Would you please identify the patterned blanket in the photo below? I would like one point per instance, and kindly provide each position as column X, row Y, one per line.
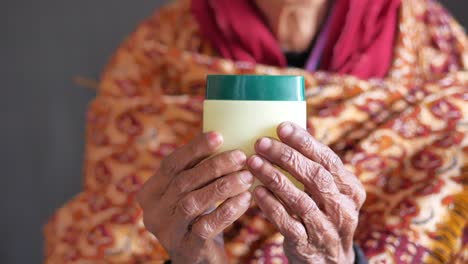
column 404, row 136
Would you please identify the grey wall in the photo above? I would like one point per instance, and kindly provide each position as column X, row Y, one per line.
column 43, row 45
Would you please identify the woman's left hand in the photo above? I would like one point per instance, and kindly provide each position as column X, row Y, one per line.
column 318, row 223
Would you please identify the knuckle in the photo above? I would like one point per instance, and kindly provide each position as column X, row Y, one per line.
column 333, row 160
column 329, row 159
column 287, row 155
column 222, row 187
column 277, row 214
column 316, row 171
column 295, row 199
column 345, row 215
column 294, row 231
column 227, row 213
column 326, row 158
column 283, row 221
column 202, row 230
column 300, row 200
column 309, row 210
column 276, row 181
column 328, row 235
column 302, row 165
column 306, row 142
column 325, row 183
column 189, row 206
column 309, row 170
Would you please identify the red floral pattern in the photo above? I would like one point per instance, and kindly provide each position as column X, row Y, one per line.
column 403, row 136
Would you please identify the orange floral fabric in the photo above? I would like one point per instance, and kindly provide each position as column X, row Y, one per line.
column 404, row 136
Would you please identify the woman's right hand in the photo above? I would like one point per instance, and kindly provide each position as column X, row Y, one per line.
column 175, row 201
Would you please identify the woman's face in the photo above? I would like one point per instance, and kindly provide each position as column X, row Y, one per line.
column 294, row 22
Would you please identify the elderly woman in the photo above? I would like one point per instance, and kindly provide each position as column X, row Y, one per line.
column 387, row 117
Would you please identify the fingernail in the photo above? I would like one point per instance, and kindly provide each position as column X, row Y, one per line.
column 255, row 162
column 245, row 198
column 260, row 192
column 286, row 130
column 264, row 144
column 246, row 177
column 239, row 157
column 214, row 139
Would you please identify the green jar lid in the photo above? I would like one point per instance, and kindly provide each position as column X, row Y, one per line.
column 255, row 87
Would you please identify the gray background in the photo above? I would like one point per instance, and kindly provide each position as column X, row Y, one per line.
column 43, row 46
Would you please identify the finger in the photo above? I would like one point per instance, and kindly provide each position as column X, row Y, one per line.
column 337, row 207
column 315, row 229
column 198, row 202
column 207, row 171
column 298, row 202
column 209, row 226
column 189, row 155
column 290, row 228
column 314, row 176
column 299, row 139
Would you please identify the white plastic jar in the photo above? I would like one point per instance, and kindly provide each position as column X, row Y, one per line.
column 244, row 108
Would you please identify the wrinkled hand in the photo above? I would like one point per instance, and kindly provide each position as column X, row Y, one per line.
column 318, row 224
column 175, row 201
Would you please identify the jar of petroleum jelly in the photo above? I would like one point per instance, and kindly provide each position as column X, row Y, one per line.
column 244, row 108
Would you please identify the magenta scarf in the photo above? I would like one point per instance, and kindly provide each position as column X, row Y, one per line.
column 359, row 37
column 236, row 30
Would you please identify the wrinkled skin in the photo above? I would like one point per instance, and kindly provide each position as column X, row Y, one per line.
column 318, row 223
column 176, row 200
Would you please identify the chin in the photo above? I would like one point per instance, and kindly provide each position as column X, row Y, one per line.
column 299, row 43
